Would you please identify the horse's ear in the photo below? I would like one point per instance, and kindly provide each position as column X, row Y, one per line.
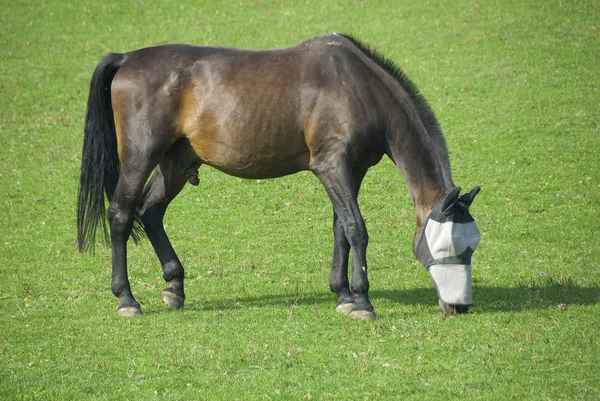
column 467, row 198
column 450, row 199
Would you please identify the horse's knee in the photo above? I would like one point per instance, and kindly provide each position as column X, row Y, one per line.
column 357, row 235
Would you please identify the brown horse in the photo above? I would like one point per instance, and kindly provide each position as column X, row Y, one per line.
column 329, row 105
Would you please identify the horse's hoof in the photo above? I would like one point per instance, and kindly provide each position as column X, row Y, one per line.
column 172, row 299
column 344, row 308
column 129, row 311
column 363, row 315
column 451, row 310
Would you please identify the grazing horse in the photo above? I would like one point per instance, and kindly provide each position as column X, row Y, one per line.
column 329, row 104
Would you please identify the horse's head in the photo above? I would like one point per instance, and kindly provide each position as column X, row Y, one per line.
column 448, row 240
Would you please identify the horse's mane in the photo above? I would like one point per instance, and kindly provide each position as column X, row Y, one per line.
column 423, row 109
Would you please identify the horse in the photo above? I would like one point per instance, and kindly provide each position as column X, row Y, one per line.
column 330, row 104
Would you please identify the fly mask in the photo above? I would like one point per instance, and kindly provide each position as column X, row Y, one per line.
column 449, row 239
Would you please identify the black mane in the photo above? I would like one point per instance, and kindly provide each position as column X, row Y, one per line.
column 423, row 109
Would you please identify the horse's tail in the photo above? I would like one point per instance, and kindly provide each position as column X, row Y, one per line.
column 99, row 159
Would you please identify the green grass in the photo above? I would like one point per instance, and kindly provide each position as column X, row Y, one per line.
column 515, row 86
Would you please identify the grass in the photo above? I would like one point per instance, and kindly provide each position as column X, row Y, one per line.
column 515, row 87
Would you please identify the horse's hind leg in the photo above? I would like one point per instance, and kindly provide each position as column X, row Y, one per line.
column 167, row 181
column 121, row 211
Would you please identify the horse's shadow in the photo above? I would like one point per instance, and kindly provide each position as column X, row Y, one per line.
column 486, row 299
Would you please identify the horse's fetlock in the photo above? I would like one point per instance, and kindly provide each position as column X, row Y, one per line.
column 172, row 270
column 337, row 288
column 360, row 286
column 119, row 288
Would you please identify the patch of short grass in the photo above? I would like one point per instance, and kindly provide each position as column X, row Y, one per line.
column 515, row 88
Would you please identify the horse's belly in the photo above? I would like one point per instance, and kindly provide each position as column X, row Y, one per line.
column 244, row 135
column 251, row 158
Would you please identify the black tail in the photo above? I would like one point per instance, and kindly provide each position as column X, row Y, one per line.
column 99, row 159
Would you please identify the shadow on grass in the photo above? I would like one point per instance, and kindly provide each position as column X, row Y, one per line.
column 486, row 299
column 503, row 299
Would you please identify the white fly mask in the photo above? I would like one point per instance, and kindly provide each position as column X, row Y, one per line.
column 450, row 237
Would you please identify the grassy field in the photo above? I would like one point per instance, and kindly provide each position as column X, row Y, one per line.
column 516, row 88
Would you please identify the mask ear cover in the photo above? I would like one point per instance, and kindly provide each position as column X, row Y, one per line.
column 448, row 201
column 467, row 198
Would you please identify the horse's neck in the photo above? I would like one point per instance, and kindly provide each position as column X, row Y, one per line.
column 421, row 157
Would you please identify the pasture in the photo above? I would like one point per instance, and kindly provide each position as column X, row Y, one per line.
column 515, row 87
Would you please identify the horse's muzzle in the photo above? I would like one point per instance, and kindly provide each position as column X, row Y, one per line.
column 454, row 287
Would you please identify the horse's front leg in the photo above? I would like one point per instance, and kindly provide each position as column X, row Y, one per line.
column 343, row 192
column 338, row 279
